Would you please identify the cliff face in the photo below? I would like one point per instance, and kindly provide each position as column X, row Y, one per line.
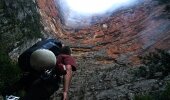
column 50, row 18
column 104, row 50
column 107, row 51
column 121, row 36
column 19, row 22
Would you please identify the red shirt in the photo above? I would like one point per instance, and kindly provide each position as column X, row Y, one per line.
column 67, row 60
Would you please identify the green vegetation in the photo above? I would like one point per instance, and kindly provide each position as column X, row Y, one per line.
column 9, row 72
column 165, row 95
column 155, row 64
column 167, row 11
column 143, row 97
column 163, row 1
column 167, row 7
column 19, row 21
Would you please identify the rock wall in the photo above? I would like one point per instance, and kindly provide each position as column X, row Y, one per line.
column 107, row 50
column 123, row 35
column 19, row 25
column 50, row 18
column 19, row 22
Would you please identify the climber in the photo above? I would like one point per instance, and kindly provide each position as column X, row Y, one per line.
column 70, row 63
column 44, row 88
column 43, row 65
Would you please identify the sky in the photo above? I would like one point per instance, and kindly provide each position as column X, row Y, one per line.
column 96, row 6
column 78, row 13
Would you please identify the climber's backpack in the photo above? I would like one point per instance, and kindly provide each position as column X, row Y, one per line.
column 50, row 44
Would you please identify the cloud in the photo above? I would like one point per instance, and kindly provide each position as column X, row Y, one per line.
column 96, row 6
column 79, row 13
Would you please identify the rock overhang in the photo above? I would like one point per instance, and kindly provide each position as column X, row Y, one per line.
column 124, row 34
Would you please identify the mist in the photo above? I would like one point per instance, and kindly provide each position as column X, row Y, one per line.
column 81, row 13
